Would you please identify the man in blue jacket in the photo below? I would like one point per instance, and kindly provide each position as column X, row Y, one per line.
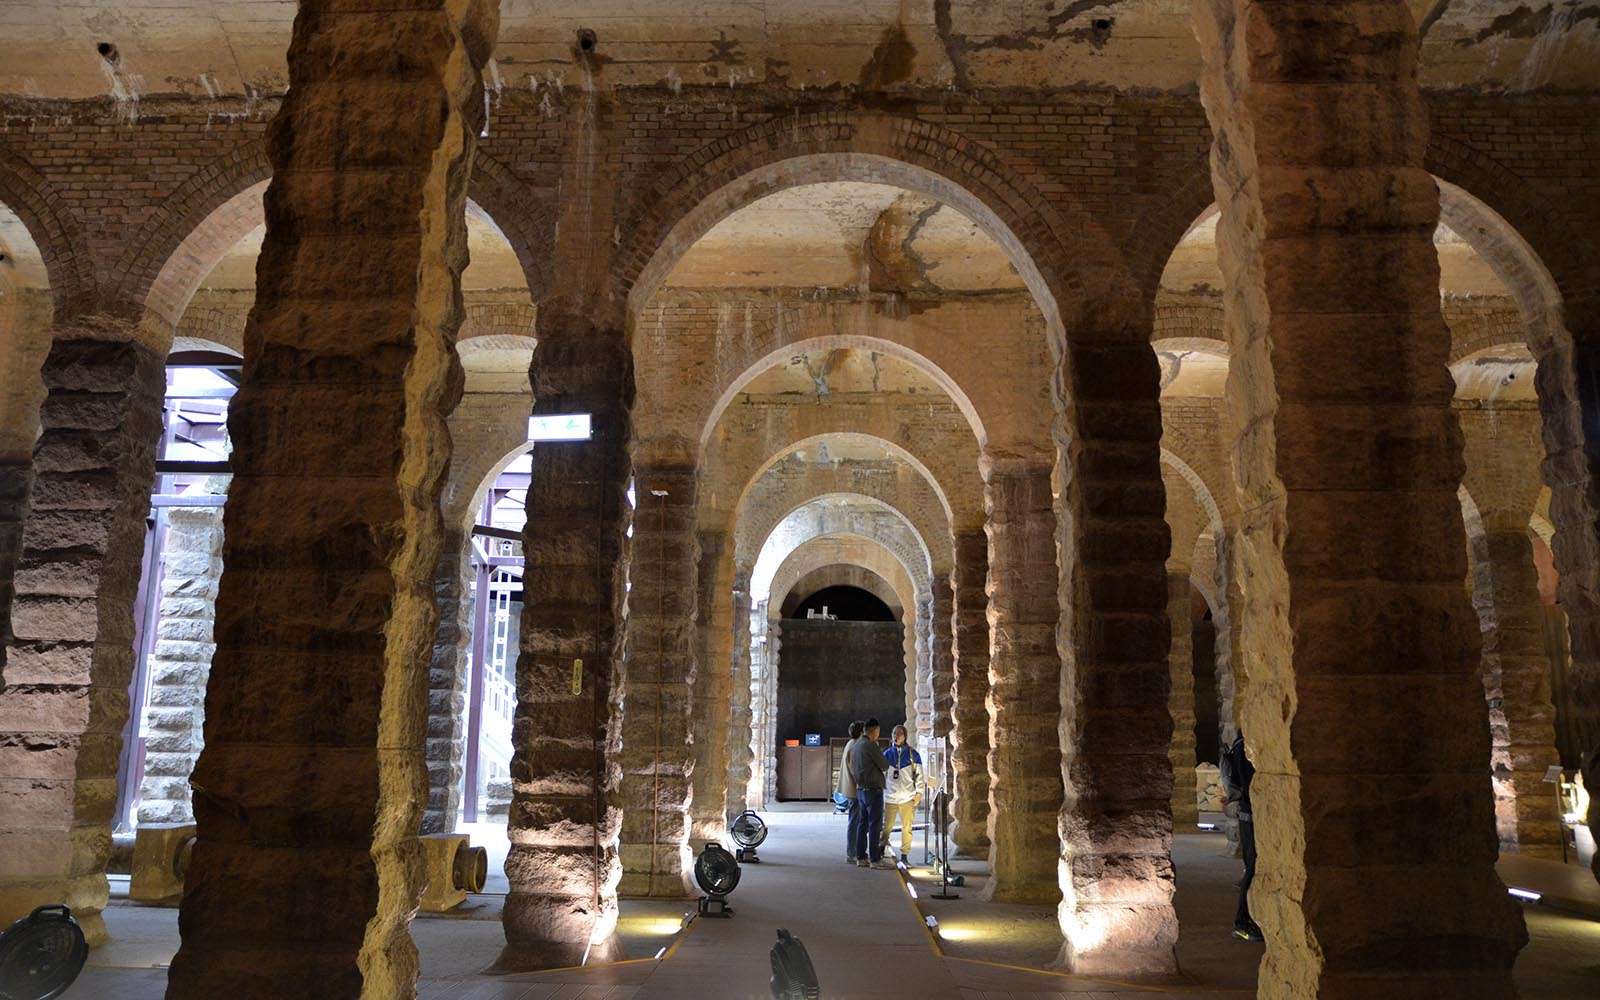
column 903, row 790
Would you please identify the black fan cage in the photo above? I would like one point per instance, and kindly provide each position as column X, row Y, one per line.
column 716, row 871
column 748, row 829
column 41, row 955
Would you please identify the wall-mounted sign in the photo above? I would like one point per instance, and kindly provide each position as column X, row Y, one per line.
column 559, row 427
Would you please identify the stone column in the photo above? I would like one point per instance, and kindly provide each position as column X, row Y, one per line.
column 739, row 733
column 768, row 734
column 1180, row 702
column 1025, row 789
column 713, row 695
column 942, row 661
column 659, row 745
column 919, row 720
column 1364, row 713
column 69, row 657
column 969, row 693
column 180, row 661
column 1116, row 825
column 565, row 817
column 448, row 685
column 309, row 792
column 1517, row 682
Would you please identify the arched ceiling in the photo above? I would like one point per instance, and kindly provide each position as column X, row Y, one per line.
column 205, row 48
column 1193, row 266
column 847, row 234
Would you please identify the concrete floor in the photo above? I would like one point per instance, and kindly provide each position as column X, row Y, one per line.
column 864, row 932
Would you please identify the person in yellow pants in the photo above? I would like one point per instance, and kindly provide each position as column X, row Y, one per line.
column 903, row 789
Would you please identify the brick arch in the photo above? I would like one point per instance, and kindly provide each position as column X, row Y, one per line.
column 55, row 230
column 1531, row 237
column 897, row 451
column 1061, row 250
column 900, row 539
column 818, row 552
column 842, row 575
column 754, row 362
column 219, row 204
column 775, row 497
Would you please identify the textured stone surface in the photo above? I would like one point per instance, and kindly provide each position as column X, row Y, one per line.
column 713, row 694
column 1363, row 709
column 1180, row 703
column 447, row 685
column 1024, row 685
column 309, row 792
column 659, row 745
column 180, row 661
column 1516, row 679
column 941, row 653
column 1115, row 825
column 740, row 746
column 566, row 817
column 969, row 692
column 69, row 654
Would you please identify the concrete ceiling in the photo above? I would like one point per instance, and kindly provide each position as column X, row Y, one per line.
column 1192, row 370
column 21, row 266
column 846, row 234
column 492, row 265
column 843, row 370
column 205, row 48
column 1193, row 265
column 1496, row 374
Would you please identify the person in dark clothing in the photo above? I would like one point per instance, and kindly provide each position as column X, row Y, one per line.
column 1237, row 773
column 868, row 766
column 847, row 789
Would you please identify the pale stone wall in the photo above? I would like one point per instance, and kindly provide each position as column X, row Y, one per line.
column 180, row 661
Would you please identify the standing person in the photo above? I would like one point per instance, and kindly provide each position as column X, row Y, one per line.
column 1237, row 773
column 868, row 766
column 903, row 790
column 847, row 788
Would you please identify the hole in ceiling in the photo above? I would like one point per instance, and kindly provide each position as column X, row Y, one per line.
column 587, row 39
column 107, row 51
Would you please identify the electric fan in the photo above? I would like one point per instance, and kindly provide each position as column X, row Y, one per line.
column 793, row 976
column 748, row 831
column 717, row 873
column 41, row 954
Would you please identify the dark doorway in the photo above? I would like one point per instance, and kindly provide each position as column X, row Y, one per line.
column 846, row 604
column 837, row 669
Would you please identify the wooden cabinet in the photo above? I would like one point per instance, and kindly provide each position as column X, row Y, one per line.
column 804, row 773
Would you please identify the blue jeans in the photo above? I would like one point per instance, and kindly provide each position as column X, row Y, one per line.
column 869, row 828
column 852, row 830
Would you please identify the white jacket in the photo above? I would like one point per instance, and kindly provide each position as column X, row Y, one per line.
column 903, row 784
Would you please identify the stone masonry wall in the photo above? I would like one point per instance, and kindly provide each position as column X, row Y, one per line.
column 180, row 661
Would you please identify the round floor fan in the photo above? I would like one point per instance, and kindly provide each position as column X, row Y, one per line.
column 747, row 831
column 717, row 873
column 41, row 954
